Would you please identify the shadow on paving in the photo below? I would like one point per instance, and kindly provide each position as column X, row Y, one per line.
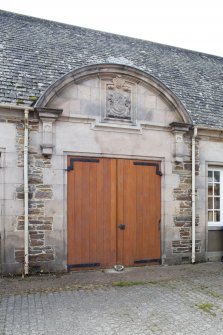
column 202, row 274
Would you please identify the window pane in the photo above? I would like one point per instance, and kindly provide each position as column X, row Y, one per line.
column 210, row 203
column 210, row 176
column 210, row 216
column 216, row 203
column 216, row 176
column 216, row 216
column 210, row 189
column 216, row 189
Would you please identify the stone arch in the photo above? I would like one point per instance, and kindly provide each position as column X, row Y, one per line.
column 89, row 71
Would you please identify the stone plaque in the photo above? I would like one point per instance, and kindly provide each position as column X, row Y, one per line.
column 118, row 99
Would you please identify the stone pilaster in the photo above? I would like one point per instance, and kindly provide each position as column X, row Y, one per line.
column 182, row 165
column 40, row 253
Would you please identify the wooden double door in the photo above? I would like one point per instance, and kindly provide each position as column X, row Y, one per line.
column 113, row 212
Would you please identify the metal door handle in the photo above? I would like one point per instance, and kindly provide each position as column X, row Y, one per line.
column 121, row 226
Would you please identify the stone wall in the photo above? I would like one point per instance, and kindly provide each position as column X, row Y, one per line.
column 11, row 176
column 183, row 197
column 39, row 193
column 47, row 216
column 12, row 223
column 52, row 137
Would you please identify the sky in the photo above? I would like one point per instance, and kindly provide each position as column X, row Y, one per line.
column 190, row 24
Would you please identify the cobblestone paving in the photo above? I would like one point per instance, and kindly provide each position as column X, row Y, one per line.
column 190, row 304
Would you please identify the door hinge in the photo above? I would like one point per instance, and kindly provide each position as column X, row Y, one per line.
column 80, row 159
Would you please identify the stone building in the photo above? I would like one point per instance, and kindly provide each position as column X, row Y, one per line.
column 110, row 150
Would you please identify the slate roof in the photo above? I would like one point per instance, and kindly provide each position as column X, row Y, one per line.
column 34, row 53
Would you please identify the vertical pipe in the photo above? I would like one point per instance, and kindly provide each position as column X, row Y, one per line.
column 26, row 193
column 193, row 195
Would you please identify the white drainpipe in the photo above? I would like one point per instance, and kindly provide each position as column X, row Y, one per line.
column 26, row 193
column 193, row 195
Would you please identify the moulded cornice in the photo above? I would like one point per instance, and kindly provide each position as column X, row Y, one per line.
column 48, row 113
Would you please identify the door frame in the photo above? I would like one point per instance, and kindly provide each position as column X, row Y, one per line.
column 97, row 155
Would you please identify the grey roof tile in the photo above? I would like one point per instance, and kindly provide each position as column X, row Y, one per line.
column 34, row 53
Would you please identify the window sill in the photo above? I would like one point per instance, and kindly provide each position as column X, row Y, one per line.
column 215, row 227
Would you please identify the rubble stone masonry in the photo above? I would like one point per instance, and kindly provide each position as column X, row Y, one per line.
column 39, row 193
column 183, row 195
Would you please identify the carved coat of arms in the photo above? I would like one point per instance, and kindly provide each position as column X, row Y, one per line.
column 118, row 99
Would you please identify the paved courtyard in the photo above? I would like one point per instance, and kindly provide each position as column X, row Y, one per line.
column 185, row 299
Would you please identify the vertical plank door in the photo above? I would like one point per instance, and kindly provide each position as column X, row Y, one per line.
column 91, row 212
column 138, row 226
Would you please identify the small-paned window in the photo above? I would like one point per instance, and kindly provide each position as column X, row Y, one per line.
column 215, row 197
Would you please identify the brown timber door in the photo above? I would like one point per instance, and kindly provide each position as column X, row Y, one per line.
column 139, row 212
column 91, row 212
column 113, row 212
